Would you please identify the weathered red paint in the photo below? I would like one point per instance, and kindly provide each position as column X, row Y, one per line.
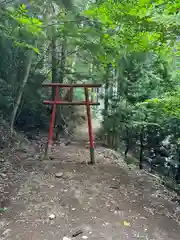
column 70, row 103
column 90, row 130
column 79, row 85
column 88, row 109
column 87, row 103
column 51, row 127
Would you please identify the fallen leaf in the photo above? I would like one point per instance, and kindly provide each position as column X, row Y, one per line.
column 126, row 224
column 3, row 210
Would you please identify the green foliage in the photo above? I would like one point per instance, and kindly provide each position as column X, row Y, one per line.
column 22, row 29
column 136, row 26
column 168, row 103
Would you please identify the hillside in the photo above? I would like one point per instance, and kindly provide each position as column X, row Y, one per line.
column 104, row 201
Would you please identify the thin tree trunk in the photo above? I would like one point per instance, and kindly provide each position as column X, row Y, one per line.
column 127, row 140
column 177, row 174
column 106, row 106
column 54, row 66
column 63, row 62
column 106, row 97
column 74, row 59
column 74, row 64
column 141, row 149
column 60, row 73
column 20, row 93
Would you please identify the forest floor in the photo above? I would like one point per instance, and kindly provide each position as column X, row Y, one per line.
column 54, row 199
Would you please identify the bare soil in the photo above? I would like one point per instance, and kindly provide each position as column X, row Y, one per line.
column 106, row 201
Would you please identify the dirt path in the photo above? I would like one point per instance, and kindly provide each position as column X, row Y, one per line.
column 106, row 201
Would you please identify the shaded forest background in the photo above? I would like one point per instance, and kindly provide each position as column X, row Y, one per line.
column 132, row 48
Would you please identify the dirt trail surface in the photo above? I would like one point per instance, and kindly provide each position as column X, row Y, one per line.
column 108, row 201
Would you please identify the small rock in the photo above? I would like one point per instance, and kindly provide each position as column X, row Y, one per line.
column 105, row 224
column 84, row 237
column 59, row 175
column 52, row 217
column 67, row 143
column 6, row 232
column 3, row 175
column 66, row 238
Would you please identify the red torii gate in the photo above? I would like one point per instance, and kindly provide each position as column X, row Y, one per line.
column 58, row 101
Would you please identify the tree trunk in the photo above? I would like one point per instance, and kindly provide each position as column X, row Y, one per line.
column 54, row 66
column 59, row 73
column 63, row 62
column 127, row 140
column 106, row 97
column 177, row 175
column 74, row 64
column 20, row 93
column 106, row 106
column 141, row 149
